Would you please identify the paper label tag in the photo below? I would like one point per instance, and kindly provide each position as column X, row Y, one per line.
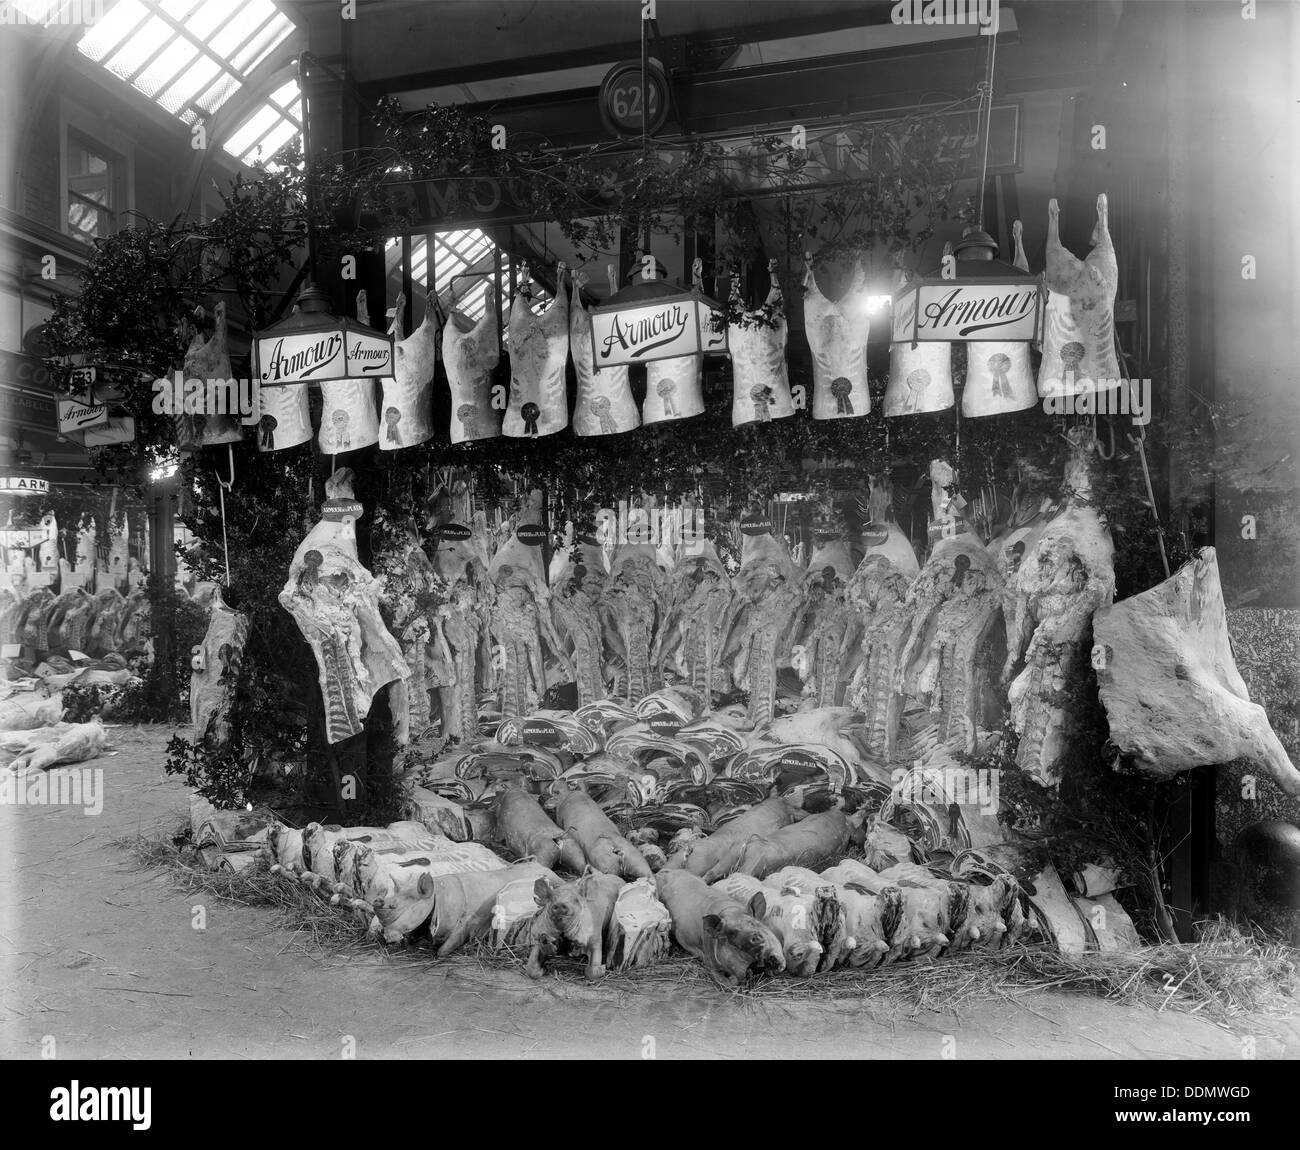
column 530, row 535
column 10, row 651
column 664, row 723
column 453, row 531
column 75, row 655
column 539, row 731
column 756, row 526
column 341, row 510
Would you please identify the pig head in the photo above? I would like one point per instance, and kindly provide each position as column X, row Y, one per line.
column 726, row 935
column 577, row 916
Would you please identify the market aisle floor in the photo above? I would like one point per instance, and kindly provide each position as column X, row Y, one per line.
column 101, row 956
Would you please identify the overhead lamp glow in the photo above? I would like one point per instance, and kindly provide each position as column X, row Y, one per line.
column 313, row 345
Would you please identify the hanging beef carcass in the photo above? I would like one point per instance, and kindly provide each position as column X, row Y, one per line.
column 880, row 594
column 954, row 606
column 831, row 627
column 728, row 936
column 691, row 639
column 521, row 617
column 410, row 601
column 539, row 353
column 335, row 602
column 632, row 606
column 215, row 671
column 575, row 595
column 837, row 332
column 465, row 620
column 1067, row 575
column 766, row 612
column 1170, row 685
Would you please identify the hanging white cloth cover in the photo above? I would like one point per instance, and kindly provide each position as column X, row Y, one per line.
column 920, row 378
column 469, row 353
column 348, row 417
column 285, row 416
column 837, row 332
column 605, row 405
column 208, row 360
column 999, row 376
column 673, row 389
column 539, row 353
column 406, row 406
column 1079, row 331
column 761, row 383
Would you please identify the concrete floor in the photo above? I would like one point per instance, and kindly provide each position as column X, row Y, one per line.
column 100, row 956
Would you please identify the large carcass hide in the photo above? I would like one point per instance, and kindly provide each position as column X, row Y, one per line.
column 716, row 857
column 691, row 637
column 766, row 613
column 335, row 602
column 1172, row 692
column 604, row 848
column 632, row 607
column 728, row 936
column 577, row 916
column 214, row 671
column 1068, row 574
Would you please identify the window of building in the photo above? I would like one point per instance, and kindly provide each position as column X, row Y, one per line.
column 93, row 185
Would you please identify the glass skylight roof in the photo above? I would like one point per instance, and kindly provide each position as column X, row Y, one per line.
column 456, row 253
column 191, row 56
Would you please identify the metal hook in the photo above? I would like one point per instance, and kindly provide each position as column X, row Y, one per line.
column 1096, row 443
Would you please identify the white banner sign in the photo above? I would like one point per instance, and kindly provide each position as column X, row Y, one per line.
column 24, row 485
column 956, row 311
column 656, row 329
column 79, row 414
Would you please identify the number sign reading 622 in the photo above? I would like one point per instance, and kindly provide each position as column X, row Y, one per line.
column 623, row 98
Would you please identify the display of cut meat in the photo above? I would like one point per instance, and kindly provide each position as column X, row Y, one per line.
column 632, row 606
column 999, row 376
column 1170, row 685
column 406, row 403
column 604, row 405
column 215, row 672
column 208, row 361
column 469, row 353
column 465, row 624
column 284, row 418
column 1079, row 330
column 690, row 638
column 119, row 552
column 673, row 389
column 335, row 602
column 349, row 420
column 760, row 380
column 539, row 353
column 837, row 332
column 576, row 591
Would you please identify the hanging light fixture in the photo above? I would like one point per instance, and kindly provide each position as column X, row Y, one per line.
column 975, row 297
column 313, row 345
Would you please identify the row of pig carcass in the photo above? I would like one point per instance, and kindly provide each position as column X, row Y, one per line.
column 745, row 899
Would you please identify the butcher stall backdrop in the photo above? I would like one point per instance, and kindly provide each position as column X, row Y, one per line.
column 803, row 654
